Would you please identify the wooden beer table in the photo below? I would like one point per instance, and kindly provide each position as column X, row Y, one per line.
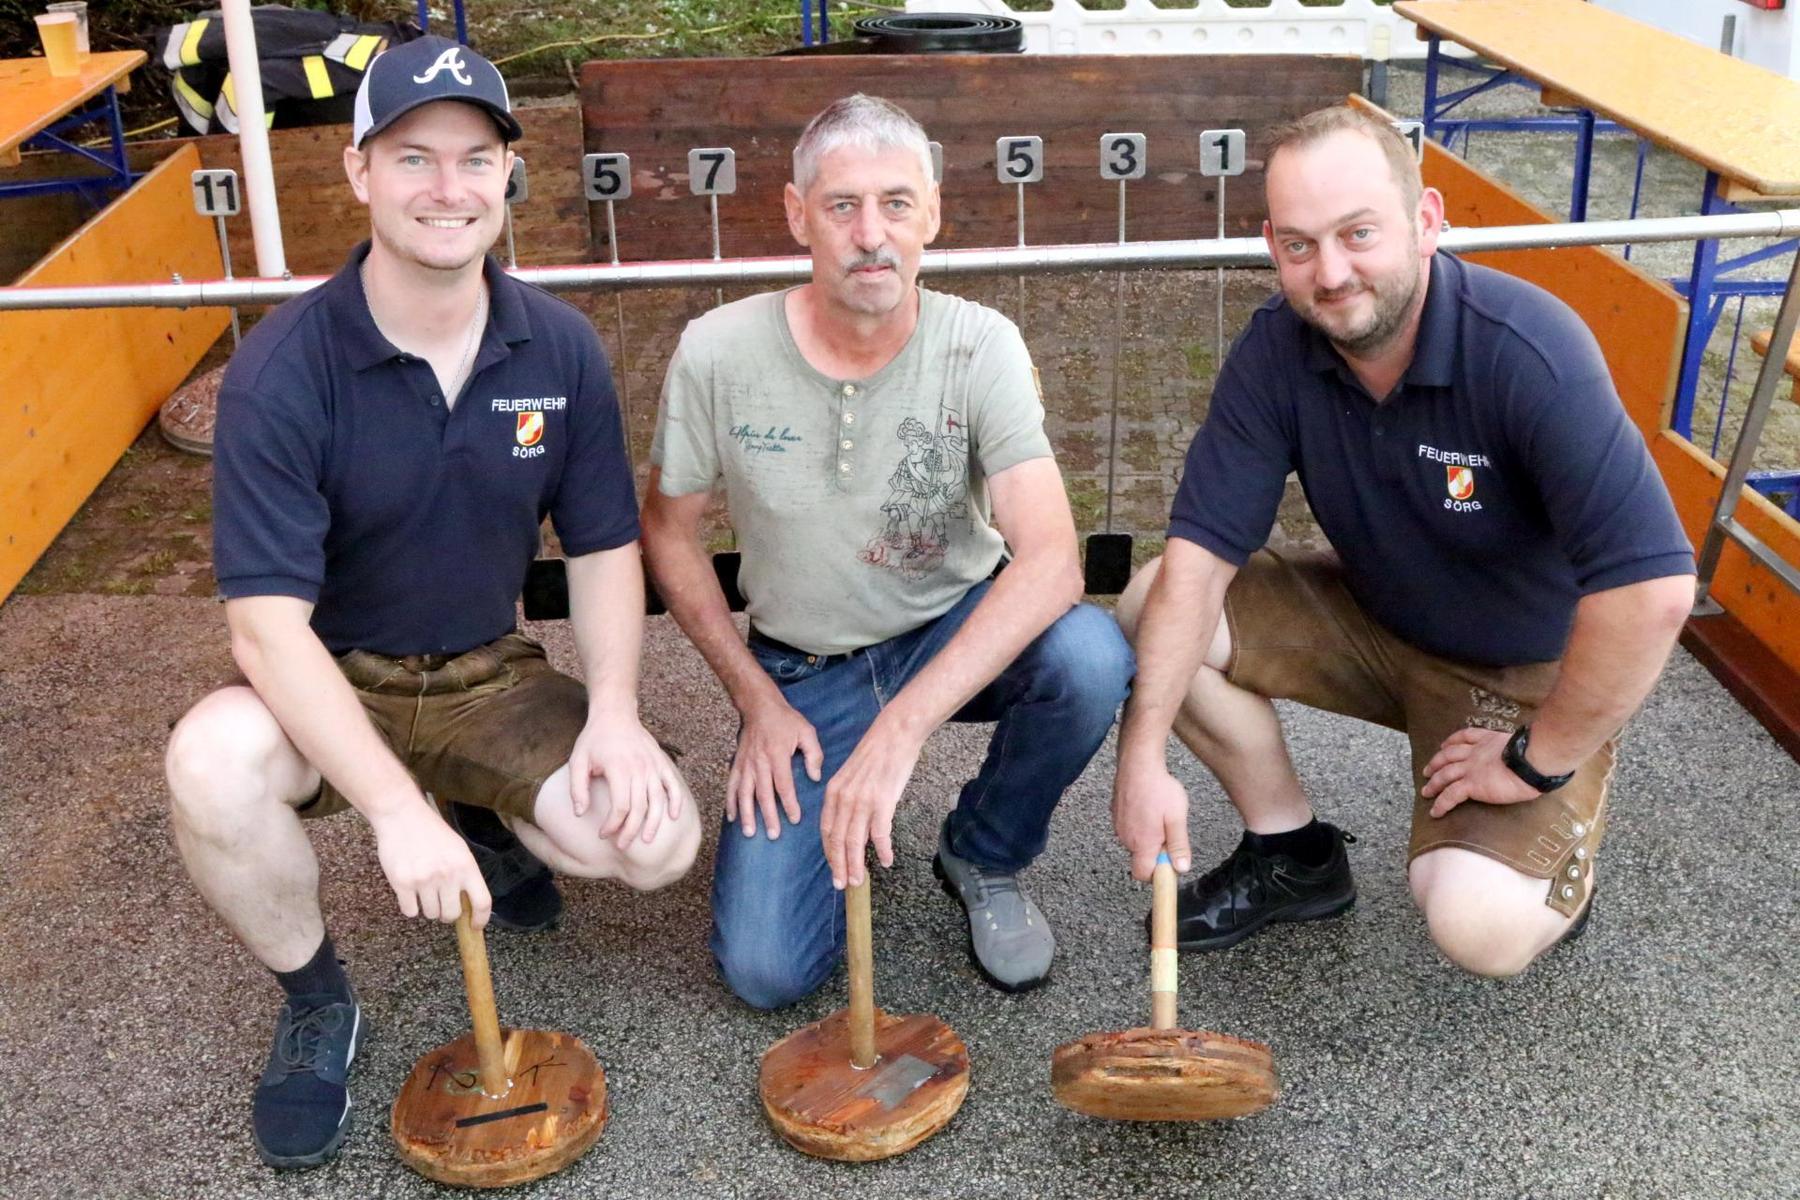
column 38, row 108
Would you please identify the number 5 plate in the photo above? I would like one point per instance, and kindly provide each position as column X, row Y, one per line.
column 607, row 176
column 1019, row 159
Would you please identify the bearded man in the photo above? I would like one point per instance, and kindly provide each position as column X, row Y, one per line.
column 1507, row 576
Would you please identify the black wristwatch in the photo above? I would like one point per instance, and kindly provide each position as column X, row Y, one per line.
column 1514, row 758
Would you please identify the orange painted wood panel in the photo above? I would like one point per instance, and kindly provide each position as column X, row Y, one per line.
column 1747, row 590
column 84, row 382
column 32, row 99
column 1761, row 339
column 1741, row 120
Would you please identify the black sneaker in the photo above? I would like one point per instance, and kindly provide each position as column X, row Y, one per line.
column 301, row 1110
column 525, row 895
column 1579, row 925
column 1251, row 889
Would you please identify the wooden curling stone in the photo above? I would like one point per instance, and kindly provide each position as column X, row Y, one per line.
column 1163, row 1073
column 861, row 1084
column 484, row 1111
column 821, row 1103
column 447, row 1128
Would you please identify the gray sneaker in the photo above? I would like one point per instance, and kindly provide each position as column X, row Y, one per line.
column 1009, row 939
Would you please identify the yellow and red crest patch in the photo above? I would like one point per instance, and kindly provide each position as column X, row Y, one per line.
column 1461, row 482
column 531, row 428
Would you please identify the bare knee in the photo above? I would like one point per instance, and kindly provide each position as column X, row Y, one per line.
column 1489, row 920
column 1131, row 600
column 641, row 865
column 227, row 758
column 647, row 866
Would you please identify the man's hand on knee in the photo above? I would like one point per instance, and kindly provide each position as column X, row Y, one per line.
column 429, row 866
column 641, row 783
column 1468, row 766
column 762, row 772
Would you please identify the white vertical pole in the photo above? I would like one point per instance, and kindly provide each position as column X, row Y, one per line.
column 253, row 139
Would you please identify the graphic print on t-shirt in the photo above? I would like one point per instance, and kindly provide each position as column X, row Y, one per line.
column 928, row 488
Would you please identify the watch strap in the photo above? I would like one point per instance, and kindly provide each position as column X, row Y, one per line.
column 1514, row 758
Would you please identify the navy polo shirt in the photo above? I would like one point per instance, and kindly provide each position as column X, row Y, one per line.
column 340, row 476
column 1497, row 485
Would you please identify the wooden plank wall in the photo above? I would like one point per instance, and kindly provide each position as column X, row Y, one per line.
column 1639, row 321
column 656, row 110
column 320, row 219
column 84, row 382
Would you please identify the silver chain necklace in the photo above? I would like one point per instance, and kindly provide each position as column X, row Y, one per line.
column 464, row 362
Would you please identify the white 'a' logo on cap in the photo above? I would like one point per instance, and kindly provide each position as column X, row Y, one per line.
column 451, row 61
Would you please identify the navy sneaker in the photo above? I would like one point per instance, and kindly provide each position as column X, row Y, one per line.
column 301, row 1110
column 1251, row 889
column 525, row 895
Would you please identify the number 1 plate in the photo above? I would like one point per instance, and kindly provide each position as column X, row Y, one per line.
column 1222, row 152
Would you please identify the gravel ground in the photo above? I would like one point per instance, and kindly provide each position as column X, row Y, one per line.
column 1653, row 1058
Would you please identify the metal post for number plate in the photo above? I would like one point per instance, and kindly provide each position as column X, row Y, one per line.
column 712, row 172
column 1221, row 156
column 607, row 178
column 216, row 195
column 1123, row 156
column 517, row 191
column 1019, row 160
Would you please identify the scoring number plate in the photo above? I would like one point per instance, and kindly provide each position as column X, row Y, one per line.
column 216, row 193
column 1123, row 155
column 712, row 171
column 517, row 190
column 1222, row 152
column 606, row 176
column 1414, row 132
column 1019, row 159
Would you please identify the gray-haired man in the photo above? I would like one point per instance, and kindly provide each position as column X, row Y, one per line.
column 881, row 447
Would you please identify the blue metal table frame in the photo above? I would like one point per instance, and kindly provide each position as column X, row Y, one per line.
column 1711, row 284
column 462, row 20
column 94, row 188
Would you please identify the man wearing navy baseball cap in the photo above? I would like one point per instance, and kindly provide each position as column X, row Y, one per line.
column 387, row 446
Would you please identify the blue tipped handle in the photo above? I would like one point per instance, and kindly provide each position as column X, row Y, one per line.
column 1162, row 859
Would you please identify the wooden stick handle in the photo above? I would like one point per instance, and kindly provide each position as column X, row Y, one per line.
column 482, row 1015
column 1162, row 945
column 860, row 949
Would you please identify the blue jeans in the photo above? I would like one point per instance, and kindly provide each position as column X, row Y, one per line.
column 778, row 924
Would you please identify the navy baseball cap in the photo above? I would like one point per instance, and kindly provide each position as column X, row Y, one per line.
column 426, row 69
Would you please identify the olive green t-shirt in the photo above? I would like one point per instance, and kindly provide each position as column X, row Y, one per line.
column 860, row 505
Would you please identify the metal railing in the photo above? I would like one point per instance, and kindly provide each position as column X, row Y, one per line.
column 1036, row 260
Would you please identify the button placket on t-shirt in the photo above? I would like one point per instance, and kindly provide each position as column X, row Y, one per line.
column 845, row 452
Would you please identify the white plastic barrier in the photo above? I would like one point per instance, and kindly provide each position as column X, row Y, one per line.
column 1360, row 27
